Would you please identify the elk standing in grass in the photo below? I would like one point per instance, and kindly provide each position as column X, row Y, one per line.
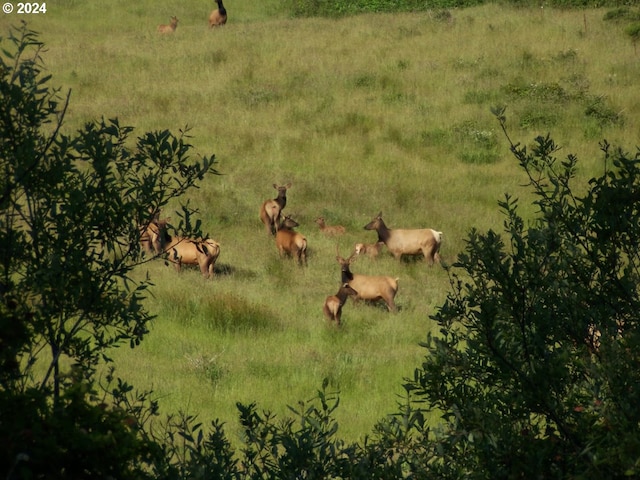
column 181, row 250
column 290, row 242
column 169, row 28
column 271, row 210
column 400, row 242
column 333, row 304
column 330, row 230
column 218, row 17
column 369, row 287
column 370, row 249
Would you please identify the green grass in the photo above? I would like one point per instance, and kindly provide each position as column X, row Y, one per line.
column 370, row 113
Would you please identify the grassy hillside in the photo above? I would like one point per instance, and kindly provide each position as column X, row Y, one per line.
column 371, row 113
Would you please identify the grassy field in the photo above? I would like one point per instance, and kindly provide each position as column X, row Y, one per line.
column 371, row 113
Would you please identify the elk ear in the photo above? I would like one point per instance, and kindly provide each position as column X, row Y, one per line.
column 380, row 215
column 288, row 185
column 275, row 186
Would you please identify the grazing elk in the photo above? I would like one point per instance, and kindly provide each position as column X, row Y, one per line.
column 333, row 304
column 369, row 287
column 408, row 242
column 370, row 249
column 184, row 251
column 169, row 28
column 271, row 210
column 290, row 242
column 218, row 17
column 329, row 229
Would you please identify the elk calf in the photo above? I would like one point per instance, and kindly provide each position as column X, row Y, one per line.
column 369, row 287
column 329, row 230
column 169, row 28
column 370, row 249
column 400, row 242
column 333, row 304
column 290, row 242
column 271, row 210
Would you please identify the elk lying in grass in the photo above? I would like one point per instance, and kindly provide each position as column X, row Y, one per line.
column 271, row 210
column 400, row 242
column 218, row 17
column 185, row 251
column 333, row 304
column 290, row 242
column 370, row 249
column 329, row 229
column 169, row 28
column 369, row 287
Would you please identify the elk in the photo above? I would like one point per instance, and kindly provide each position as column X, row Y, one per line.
column 169, row 28
column 181, row 250
column 408, row 242
column 333, row 304
column 290, row 242
column 148, row 230
column 369, row 287
column 270, row 211
column 218, row 17
column 370, row 249
column 329, row 229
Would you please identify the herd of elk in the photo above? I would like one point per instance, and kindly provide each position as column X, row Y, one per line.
column 155, row 239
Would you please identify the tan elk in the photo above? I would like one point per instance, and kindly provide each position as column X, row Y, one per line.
column 218, row 17
column 290, row 242
column 369, row 287
column 333, row 304
column 400, row 242
column 370, row 249
column 271, row 210
column 329, row 229
column 185, row 251
column 169, row 28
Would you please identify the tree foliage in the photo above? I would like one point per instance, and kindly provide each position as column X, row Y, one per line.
column 536, row 365
column 71, row 209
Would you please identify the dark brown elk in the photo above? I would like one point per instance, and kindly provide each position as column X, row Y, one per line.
column 333, row 304
column 370, row 249
column 329, row 229
column 369, row 287
column 290, row 242
column 425, row 241
column 218, row 17
column 169, row 28
column 185, row 251
column 271, row 210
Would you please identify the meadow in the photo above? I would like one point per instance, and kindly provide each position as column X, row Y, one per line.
column 362, row 114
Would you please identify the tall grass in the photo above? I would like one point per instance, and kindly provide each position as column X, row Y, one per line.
column 370, row 113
